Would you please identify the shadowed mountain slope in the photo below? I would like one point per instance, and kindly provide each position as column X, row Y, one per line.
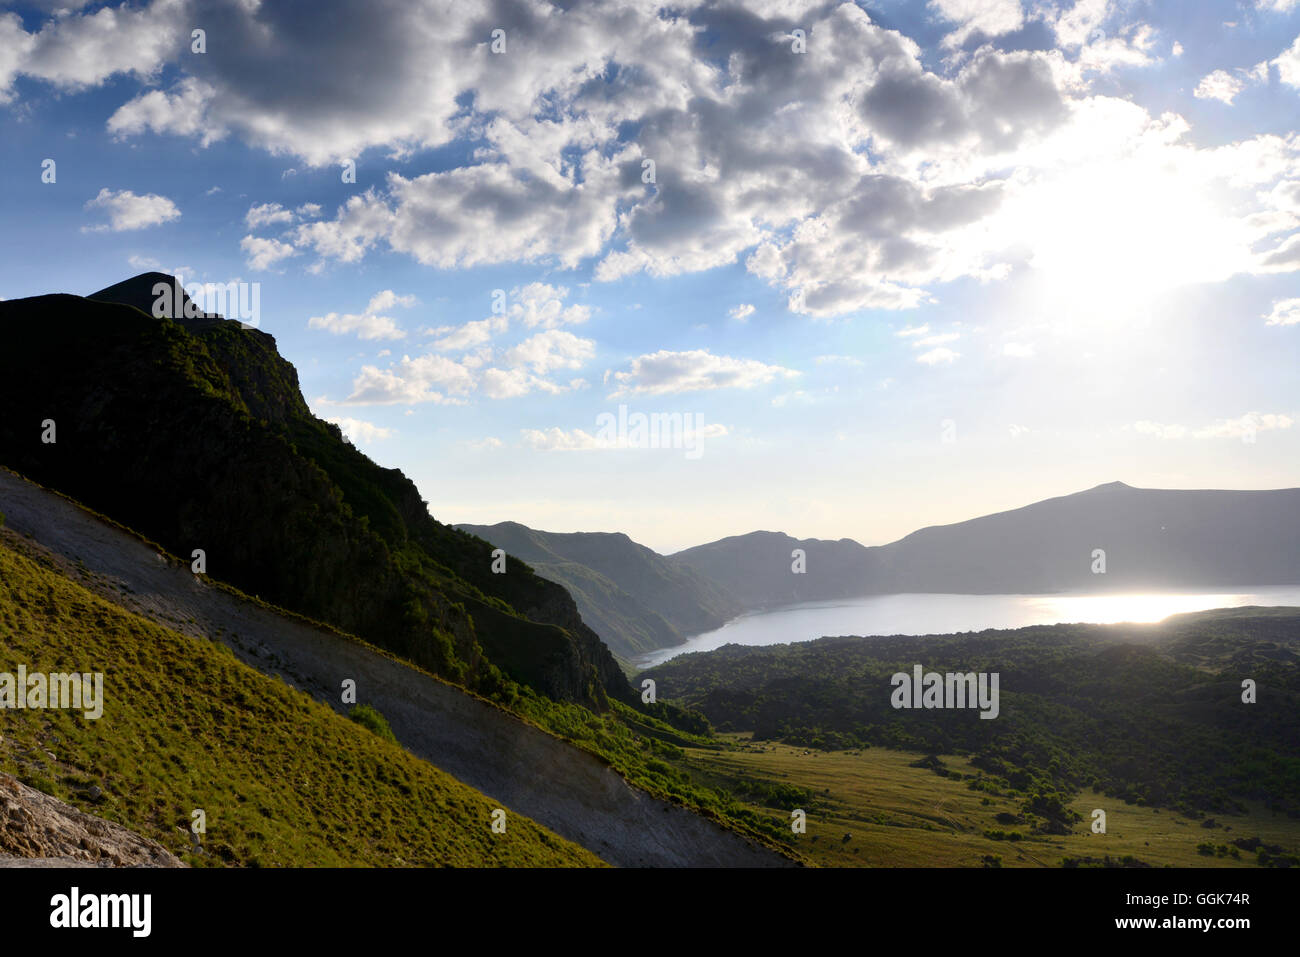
column 196, row 434
column 633, row 597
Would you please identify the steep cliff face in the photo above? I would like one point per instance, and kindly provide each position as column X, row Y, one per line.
column 195, row 433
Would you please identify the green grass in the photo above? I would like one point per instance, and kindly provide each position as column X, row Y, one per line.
column 897, row 812
column 282, row 779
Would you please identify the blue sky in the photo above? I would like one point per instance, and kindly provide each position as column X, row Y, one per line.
column 915, row 263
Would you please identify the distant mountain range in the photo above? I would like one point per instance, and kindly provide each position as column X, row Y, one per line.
column 636, row 599
column 1110, row 538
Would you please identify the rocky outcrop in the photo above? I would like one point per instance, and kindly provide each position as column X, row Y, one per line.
column 37, row 830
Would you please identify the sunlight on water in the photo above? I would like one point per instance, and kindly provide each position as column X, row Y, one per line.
column 924, row 614
column 1108, row 609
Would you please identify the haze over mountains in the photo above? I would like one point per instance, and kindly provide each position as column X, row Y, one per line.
column 634, row 598
column 1149, row 539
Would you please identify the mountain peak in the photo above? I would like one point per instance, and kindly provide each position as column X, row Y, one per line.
column 140, row 292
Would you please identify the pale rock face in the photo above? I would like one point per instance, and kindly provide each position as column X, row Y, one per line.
column 37, row 830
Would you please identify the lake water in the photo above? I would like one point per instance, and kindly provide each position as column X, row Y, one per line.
column 942, row 614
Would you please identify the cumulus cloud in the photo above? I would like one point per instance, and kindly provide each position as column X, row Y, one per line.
column 989, row 18
column 939, row 356
column 1285, row 312
column 540, row 304
column 666, row 373
column 551, row 350
column 370, row 324
column 742, row 312
column 1219, row 85
column 1288, row 64
column 267, row 214
column 429, row 378
column 76, row 50
column 262, row 253
column 128, row 211
column 521, row 369
column 470, row 334
column 358, row 430
column 855, row 176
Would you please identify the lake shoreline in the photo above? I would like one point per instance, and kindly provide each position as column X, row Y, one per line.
column 922, row 613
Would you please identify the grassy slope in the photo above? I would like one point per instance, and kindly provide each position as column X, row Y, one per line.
column 284, row 781
column 898, row 815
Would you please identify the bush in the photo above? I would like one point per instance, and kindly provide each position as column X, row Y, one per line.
column 368, row 717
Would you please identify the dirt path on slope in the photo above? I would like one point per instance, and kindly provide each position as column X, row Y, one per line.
column 529, row 771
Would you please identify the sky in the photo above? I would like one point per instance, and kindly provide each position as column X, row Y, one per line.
column 892, row 265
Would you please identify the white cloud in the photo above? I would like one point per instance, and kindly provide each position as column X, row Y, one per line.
column 180, row 113
column 127, row 211
column 1286, row 312
column 1219, row 85
column 551, row 350
column 1017, row 350
column 267, row 214
column 990, row 18
column 512, row 383
column 1243, row 427
column 428, row 378
column 854, row 177
column 77, row 50
column 1288, row 64
column 371, row 324
column 666, row 373
column 937, row 356
column 913, row 331
column 742, row 312
column 523, row 367
column 470, row 334
column 360, row 431
column 557, row 439
column 263, row 253
column 387, row 299
column 541, row 304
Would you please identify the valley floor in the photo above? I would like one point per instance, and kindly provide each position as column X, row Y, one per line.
column 874, row 808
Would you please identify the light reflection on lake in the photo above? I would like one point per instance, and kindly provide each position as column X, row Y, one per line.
column 924, row 614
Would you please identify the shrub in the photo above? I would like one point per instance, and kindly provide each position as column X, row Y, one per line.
column 368, row 717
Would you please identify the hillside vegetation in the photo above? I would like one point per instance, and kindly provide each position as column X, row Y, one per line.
column 282, row 779
column 1151, row 714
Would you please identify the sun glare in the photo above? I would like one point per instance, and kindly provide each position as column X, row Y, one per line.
column 1109, row 609
column 1109, row 240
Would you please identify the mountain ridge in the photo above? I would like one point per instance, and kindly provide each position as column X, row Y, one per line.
column 1143, row 538
column 207, row 443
